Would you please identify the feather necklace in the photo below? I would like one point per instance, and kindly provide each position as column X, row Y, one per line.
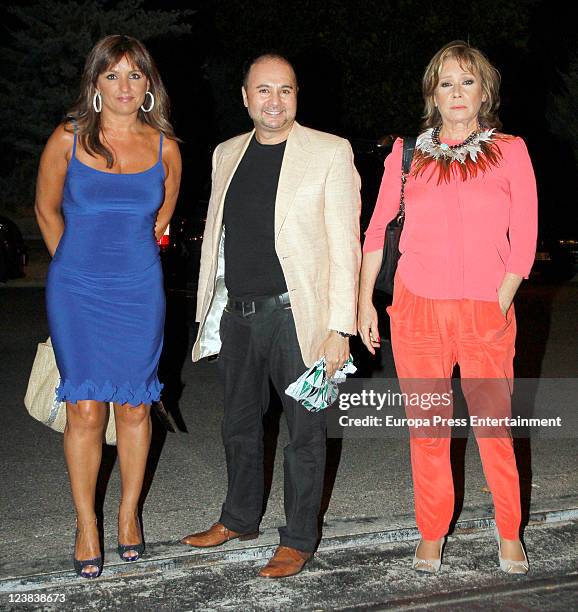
column 477, row 152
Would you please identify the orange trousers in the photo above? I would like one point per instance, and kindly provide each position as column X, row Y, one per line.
column 430, row 336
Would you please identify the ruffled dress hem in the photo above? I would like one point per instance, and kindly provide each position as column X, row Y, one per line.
column 108, row 392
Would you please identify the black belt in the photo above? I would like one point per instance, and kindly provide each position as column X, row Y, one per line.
column 266, row 304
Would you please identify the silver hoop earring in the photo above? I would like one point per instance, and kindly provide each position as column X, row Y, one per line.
column 149, row 109
column 97, row 102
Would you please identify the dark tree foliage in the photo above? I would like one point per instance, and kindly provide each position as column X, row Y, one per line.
column 46, row 48
column 359, row 63
column 563, row 107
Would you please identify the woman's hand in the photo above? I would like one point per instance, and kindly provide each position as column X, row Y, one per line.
column 366, row 313
column 367, row 325
column 505, row 304
column 507, row 291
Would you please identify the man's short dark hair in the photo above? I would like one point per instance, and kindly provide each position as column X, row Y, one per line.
column 263, row 56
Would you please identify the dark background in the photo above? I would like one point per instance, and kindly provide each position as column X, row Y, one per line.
column 359, row 65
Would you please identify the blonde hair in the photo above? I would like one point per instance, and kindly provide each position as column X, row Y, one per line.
column 477, row 63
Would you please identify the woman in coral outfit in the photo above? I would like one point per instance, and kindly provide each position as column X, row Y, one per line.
column 468, row 241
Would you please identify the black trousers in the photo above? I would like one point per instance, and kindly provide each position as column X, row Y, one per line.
column 255, row 348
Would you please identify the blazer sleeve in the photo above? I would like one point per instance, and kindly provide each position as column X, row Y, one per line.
column 387, row 204
column 207, row 244
column 523, row 228
column 341, row 212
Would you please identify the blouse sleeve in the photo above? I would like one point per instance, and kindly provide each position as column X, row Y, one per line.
column 387, row 205
column 523, row 228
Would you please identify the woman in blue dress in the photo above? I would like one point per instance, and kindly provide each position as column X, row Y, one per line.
column 107, row 186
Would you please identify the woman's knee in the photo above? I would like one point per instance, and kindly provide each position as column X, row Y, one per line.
column 86, row 416
column 132, row 416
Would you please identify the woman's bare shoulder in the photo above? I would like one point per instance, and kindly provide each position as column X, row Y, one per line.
column 63, row 134
column 171, row 151
column 170, row 145
column 60, row 141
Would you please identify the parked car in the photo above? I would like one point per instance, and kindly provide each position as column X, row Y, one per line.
column 13, row 251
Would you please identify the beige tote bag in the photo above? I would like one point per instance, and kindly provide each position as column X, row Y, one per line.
column 40, row 399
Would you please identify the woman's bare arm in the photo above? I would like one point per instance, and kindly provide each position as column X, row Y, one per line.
column 366, row 313
column 49, row 186
column 172, row 162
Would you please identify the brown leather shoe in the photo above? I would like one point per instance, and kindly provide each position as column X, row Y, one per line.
column 216, row 535
column 285, row 562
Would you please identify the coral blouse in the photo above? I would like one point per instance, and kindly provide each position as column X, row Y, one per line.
column 461, row 237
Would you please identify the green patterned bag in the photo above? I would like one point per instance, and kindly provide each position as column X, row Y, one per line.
column 314, row 389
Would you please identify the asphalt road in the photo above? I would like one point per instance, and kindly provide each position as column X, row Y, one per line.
column 368, row 491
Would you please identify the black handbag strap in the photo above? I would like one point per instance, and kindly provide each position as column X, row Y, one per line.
column 406, row 158
column 408, row 149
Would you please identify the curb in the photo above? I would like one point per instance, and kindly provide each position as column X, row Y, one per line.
column 199, row 558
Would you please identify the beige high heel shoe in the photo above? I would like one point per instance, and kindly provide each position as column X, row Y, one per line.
column 428, row 566
column 509, row 565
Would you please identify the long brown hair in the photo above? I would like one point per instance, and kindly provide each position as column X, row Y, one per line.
column 106, row 53
column 477, row 63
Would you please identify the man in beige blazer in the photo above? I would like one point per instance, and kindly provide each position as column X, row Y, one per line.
column 279, row 293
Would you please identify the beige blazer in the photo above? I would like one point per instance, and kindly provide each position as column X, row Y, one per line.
column 316, row 238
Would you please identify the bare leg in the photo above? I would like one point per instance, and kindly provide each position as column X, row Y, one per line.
column 428, row 549
column 512, row 550
column 133, row 432
column 83, row 437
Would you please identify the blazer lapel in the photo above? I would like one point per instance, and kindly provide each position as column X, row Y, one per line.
column 296, row 159
column 228, row 166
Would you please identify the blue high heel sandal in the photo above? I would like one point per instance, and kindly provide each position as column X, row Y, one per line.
column 137, row 548
column 80, row 565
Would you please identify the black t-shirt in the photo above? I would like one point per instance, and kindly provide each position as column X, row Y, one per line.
column 252, row 268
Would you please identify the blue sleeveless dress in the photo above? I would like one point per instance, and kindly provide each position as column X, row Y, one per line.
column 104, row 293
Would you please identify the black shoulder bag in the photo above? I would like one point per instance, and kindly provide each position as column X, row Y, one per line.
column 384, row 281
